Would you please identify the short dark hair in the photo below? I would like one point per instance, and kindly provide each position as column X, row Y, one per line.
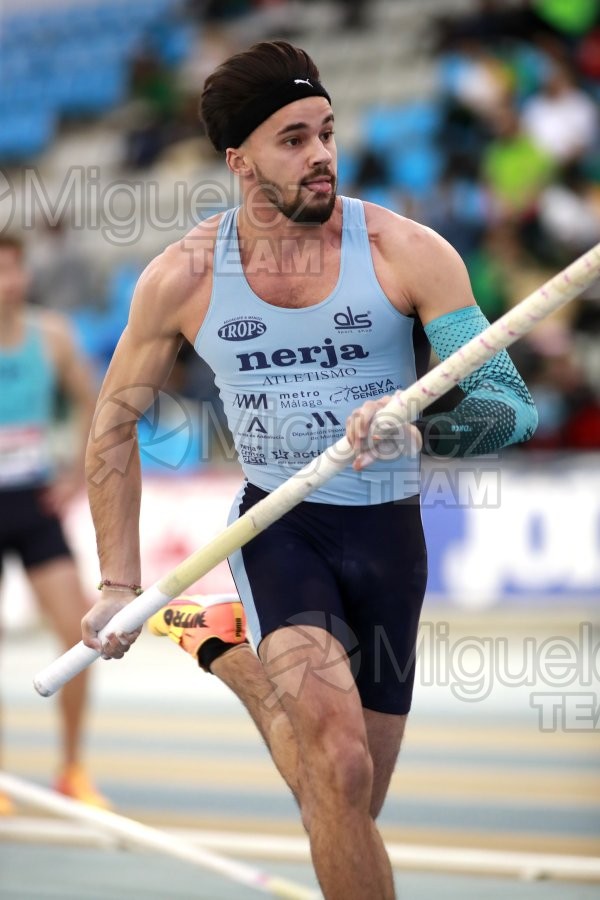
column 11, row 241
column 244, row 77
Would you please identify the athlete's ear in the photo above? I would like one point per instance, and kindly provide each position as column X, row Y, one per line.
column 238, row 163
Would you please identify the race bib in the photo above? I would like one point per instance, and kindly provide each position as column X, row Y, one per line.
column 24, row 455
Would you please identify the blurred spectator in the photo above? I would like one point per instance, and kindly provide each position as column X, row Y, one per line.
column 210, row 10
column 354, row 13
column 562, row 119
column 587, row 56
column 153, row 135
column 488, row 274
column 488, row 22
column 152, row 85
column 530, row 63
column 477, row 79
column 63, row 277
column 458, row 208
column 569, row 214
column 571, row 18
column 153, row 82
column 586, row 336
column 145, row 142
column 372, row 170
column 514, row 166
column 582, row 430
column 522, row 271
column 569, row 411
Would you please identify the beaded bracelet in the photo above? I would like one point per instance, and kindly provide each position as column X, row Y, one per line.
column 137, row 589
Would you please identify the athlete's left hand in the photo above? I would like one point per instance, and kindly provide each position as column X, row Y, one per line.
column 404, row 440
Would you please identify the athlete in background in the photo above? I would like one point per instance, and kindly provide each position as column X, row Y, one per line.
column 37, row 357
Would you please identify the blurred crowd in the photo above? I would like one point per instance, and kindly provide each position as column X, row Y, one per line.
column 517, row 190
column 522, row 124
column 519, row 187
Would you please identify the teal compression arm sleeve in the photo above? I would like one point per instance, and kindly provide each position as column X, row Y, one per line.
column 498, row 409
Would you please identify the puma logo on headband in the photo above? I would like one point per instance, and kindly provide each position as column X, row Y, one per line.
column 260, row 108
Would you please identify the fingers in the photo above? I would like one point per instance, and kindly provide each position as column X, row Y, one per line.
column 391, row 439
column 363, row 460
column 381, row 438
column 359, row 421
column 358, row 425
column 89, row 630
column 115, row 644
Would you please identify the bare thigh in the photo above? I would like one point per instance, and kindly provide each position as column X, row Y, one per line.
column 311, row 678
column 58, row 591
column 384, row 735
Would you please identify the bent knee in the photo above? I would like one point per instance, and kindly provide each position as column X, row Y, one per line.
column 345, row 769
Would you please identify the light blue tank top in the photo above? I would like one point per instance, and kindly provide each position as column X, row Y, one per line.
column 27, row 388
column 289, row 378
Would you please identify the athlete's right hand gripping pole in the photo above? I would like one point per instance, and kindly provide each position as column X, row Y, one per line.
column 404, row 407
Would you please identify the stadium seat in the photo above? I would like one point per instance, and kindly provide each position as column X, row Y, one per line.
column 98, row 331
column 173, row 40
column 72, row 60
column 416, row 168
column 382, row 196
column 386, row 127
column 120, row 289
column 19, row 29
column 89, row 89
column 26, row 133
column 346, row 168
column 92, row 333
column 22, row 93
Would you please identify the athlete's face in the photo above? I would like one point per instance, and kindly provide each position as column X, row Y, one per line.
column 13, row 279
column 294, row 160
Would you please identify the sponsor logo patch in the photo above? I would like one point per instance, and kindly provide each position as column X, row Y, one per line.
column 242, row 329
column 325, row 356
column 252, row 455
column 350, row 321
column 364, row 391
column 251, row 401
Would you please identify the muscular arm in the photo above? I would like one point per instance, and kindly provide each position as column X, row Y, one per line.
column 141, row 364
column 424, row 276
column 497, row 409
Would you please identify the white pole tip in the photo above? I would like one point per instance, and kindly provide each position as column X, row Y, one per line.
column 42, row 690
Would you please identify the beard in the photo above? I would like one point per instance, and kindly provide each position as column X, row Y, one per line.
column 311, row 209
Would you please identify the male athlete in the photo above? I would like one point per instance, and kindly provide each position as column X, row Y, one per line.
column 305, row 304
column 38, row 356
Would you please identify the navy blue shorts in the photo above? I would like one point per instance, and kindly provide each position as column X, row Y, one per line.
column 358, row 571
column 26, row 529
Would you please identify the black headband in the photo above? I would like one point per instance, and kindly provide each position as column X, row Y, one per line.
column 254, row 113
